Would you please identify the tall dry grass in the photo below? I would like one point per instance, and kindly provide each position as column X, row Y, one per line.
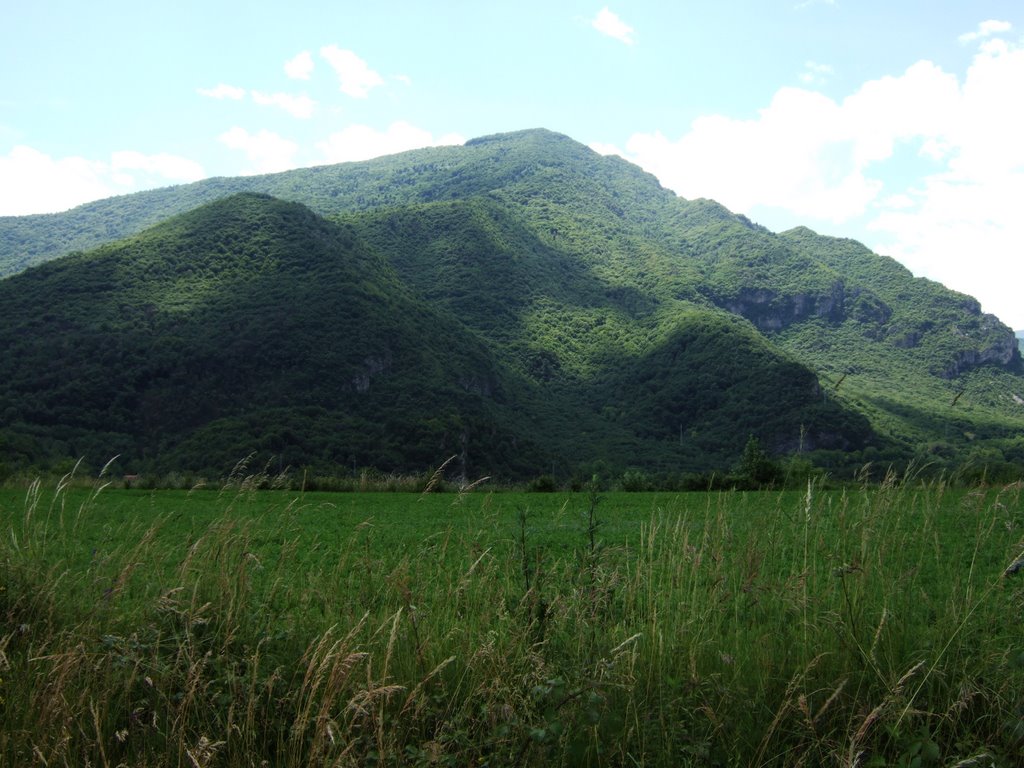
column 865, row 627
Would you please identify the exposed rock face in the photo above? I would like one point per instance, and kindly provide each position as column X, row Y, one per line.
column 770, row 311
column 373, row 366
column 1000, row 352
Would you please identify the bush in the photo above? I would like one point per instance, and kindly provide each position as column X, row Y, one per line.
column 756, row 468
column 636, row 480
column 543, row 484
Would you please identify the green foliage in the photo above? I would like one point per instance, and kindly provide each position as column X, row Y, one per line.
column 235, row 627
column 536, row 158
column 250, row 325
column 543, row 484
column 520, row 302
column 634, row 480
column 756, row 467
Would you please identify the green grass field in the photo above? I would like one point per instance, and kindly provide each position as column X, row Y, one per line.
column 871, row 626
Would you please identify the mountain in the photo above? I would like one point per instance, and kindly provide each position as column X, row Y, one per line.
column 486, row 165
column 519, row 302
column 249, row 324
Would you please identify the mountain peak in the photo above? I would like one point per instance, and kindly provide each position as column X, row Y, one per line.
column 496, row 301
column 536, row 134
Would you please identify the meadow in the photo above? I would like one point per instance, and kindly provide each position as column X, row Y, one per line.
column 872, row 625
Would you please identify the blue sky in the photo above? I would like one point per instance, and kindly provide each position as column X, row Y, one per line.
column 897, row 123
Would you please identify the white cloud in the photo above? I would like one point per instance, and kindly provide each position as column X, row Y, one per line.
column 805, row 152
column 606, row 149
column 966, row 229
column 798, row 154
column 986, row 29
column 966, row 234
column 154, row 169
column 898, row 202
column 814, row 73
column 301, row 107
column 355, row 76
column 608, row 23
column 33, row 182
column 846, row 162
column 361, row 142
column 300, row 67
column 223, row 91
column 265, row 150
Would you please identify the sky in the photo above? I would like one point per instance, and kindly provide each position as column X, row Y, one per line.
column 899, row 123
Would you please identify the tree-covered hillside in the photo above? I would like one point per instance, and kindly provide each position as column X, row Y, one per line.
column 246, row 325
column 612, row 321
column 520, row 302
column 252, row 325
column 423, row 175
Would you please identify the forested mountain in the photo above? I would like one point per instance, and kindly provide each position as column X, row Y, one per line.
column 519, row 302
column 516, row 161
column 249, row 324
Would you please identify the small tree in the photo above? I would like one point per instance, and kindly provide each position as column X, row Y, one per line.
column 756, row 466
column 635, row 480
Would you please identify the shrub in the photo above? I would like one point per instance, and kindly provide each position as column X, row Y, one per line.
column 636, row 480
column 756, row 468
column 543, row 484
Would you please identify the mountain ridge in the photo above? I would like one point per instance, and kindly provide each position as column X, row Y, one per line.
column 594, row 302
column 197, row 328
column 326, row 189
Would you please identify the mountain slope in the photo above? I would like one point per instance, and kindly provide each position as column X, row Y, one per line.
column 252, row 325
column 598, row 320
column 601, row 319
column 248, row 324
column 423, row 175
column 903, row 348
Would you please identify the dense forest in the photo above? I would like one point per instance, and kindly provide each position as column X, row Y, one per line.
column 520, row 303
